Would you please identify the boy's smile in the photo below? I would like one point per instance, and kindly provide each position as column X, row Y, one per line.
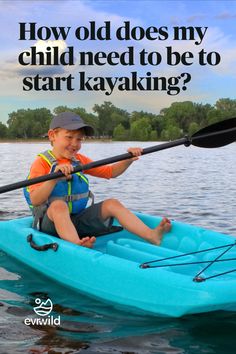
column 66, row 143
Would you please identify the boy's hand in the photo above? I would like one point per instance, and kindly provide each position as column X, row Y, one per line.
column 136, row 152
column 66, row 169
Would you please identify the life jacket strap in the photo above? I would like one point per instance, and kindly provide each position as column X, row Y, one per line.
column 38, row 214
column 48, row 157
column 92, row 197
column 70, row 198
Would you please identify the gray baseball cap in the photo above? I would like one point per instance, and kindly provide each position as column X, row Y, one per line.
column 70, row 121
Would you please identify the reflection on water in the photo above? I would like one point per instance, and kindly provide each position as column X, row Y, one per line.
column 193, row 185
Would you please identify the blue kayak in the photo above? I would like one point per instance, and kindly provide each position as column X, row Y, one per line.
column 193, row 271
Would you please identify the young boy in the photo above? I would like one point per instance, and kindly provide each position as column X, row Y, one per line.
column 63, row 201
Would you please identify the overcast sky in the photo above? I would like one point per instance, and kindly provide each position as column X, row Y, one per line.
column 208, row 83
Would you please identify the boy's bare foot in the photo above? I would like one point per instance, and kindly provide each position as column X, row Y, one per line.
column 159, row 231
column 87, row 241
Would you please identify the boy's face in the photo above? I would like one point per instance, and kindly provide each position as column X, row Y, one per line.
column 66, row 143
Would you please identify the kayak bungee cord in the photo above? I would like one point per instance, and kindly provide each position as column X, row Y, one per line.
column 190, row 263
column 146, row 264
column 197, row 277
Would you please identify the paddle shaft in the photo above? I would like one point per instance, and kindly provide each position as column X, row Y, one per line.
column 109, row 160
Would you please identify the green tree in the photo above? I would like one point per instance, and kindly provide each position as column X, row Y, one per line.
column 3, row 130
column 173, row 122
column 153, row 135
column 182, row 114
column 30, row 123
column 213, row 116
column 193, row 128
column 120, row 133
column 226, row 106
column 140, row 129
column 157, row 123
column 171, row 133
column 108, row 117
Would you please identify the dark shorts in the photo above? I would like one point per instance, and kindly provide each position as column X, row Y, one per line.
column 88, row 223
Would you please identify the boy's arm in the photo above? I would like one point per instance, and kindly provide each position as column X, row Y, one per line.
column 120, row 167
column 40, row 195
column 113, row 170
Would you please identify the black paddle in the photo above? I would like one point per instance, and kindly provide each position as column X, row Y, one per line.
column 213, row 136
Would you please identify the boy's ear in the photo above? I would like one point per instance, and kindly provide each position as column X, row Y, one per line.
column 51, row 134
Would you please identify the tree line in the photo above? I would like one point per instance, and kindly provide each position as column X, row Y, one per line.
column 110, row 121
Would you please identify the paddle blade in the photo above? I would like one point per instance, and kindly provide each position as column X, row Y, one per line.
column 216, row 135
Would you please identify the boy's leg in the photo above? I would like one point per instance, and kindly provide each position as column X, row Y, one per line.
column 113, row 208
column 58, row 213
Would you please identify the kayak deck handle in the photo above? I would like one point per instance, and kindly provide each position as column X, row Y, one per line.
column 54, row 246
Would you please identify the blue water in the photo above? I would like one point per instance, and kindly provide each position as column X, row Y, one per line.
column 193, row 185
